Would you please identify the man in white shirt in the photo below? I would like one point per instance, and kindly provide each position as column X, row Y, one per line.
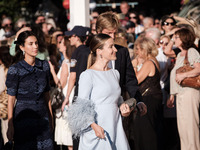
column 6, row 30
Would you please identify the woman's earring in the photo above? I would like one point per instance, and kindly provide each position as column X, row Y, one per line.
column 23, row 52
column 101, row 56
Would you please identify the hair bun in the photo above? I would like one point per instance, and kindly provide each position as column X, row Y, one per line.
column 16, row 42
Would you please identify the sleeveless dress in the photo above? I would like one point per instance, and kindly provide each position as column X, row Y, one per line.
column 102, row 89
column 63, row 135
column 31, row 114
column 146, row 127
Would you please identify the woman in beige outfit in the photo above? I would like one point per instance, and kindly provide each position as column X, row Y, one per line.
column 188, row 99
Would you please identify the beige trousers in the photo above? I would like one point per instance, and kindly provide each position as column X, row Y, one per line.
column 4, row 128
column 188, row 118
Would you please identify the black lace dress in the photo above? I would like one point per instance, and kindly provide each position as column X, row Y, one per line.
column 147, row 128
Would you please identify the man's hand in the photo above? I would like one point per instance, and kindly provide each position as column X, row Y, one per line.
column 142, row 108
column 125, row 110
column 170, row 101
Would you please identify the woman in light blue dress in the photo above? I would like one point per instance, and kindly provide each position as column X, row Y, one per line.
column 96, row 114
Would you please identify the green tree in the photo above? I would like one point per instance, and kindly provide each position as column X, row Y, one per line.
column 12, row 8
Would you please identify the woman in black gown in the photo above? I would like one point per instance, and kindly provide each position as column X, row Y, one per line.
column 30, row 116
column 147, row 129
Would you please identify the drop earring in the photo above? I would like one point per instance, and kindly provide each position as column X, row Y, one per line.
column 101, row 56
column 23, row 52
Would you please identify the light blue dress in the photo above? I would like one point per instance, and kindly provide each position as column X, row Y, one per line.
column 102, row 89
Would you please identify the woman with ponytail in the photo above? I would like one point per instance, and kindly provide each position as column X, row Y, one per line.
column 95, row 114
column 30, row 117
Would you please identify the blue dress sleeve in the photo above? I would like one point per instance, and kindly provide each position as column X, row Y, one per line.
column 12, row 81
column 47, row 71
column 81, row 113
column 85, row 85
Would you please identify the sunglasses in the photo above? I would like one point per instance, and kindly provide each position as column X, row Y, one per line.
column 9, row 24
column 157, row 22
column 169, row 23
column 163, row 43
column 23, row 25
column 95, row 17
column 133, row 17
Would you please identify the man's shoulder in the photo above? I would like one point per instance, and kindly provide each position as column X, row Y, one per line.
column 84, row 51
column 121, row 48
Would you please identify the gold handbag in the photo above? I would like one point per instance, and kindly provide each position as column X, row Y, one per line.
column 4, row 104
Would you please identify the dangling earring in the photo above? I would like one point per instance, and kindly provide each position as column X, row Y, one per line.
column 101, row 56
column 23, row 52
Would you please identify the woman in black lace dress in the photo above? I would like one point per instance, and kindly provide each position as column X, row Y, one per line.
column 147, row 127
column 29, row 106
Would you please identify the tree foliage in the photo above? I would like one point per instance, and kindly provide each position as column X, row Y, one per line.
column 12, row 8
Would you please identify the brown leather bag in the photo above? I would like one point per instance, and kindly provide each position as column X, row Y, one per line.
column 193, row 82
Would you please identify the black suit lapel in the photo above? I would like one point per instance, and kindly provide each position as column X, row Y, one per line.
column 118, row 60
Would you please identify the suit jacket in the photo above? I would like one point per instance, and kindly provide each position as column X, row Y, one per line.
column 128, row 80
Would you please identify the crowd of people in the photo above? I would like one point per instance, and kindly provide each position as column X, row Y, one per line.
column 120, row 56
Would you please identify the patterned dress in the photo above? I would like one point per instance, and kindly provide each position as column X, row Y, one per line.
column 31, row 115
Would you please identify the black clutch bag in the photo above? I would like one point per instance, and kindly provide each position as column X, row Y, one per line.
column 131, row 102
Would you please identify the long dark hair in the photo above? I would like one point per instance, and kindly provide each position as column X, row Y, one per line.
column 20, row 42
column 69, row 48
column 97, row 42
column 5, row 56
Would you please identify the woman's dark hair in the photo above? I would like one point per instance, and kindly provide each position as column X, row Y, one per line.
column 40, row 36
column 5, row 56
column 20, row 42
column 164, row 18
column 69, row 48
column 187, row 38
column 97, row 42
column 136, row 16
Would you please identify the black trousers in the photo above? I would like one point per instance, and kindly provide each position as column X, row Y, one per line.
column 76, row 143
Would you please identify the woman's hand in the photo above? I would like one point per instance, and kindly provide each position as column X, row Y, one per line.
column 99, row 131
column 125, row 110
column 10, row 131
column 180, row 77
column 51, row 67
column 22, row 30
column 66, row 102
column 142, row 108
column 170, row 101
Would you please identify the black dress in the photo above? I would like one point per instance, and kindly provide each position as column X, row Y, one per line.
column 148, row 128
column 31, row 115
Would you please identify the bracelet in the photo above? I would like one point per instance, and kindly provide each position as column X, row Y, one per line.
column 172, row 40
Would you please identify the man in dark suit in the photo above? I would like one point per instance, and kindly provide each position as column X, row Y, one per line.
column 108, row 23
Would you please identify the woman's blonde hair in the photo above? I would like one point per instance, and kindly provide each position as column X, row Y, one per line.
column 97, row 42
column 148, row 45
column 165, row 36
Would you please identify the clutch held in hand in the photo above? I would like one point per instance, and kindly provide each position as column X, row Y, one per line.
column 131, row 102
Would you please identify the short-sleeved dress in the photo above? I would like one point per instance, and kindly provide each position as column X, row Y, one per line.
column 31, row 114
column 102, row 89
